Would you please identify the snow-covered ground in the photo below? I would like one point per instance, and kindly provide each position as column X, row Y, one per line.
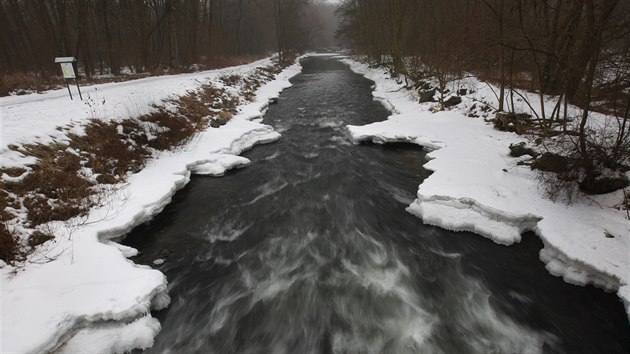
column 35, row 117
column 88, row 297
column 476, row 186
column 80, row 293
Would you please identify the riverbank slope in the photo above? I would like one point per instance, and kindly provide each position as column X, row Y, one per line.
column 79, row 292
column 476, row 186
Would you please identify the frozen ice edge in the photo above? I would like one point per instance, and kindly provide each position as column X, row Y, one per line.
column 43, row 311
column 466, row 214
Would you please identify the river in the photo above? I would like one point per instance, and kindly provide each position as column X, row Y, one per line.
column 309, row 250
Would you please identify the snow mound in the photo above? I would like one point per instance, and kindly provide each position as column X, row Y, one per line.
column 217, row 166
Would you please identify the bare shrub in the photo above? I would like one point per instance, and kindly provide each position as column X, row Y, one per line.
column 38, row 237
column 560, row 186
column 609, row 144
column 598, row 169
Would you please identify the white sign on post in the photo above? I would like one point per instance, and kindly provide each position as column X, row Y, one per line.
column 68, row 71
column 67, row 68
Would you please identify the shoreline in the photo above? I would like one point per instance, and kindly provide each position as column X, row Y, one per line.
column 55, row 314
column 469, row 193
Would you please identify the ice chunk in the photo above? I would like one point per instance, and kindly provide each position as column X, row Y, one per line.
column 113, row 337
column 219, row 165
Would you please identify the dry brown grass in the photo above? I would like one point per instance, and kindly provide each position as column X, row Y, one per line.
column 209, row 105
column 192, row 108
column 231, row 80
column 38, row 237
column 55, row 187
column 261, row 76
column 53, row 190
column 7, row 201
column 174, row 131
column 108, row 152
column 13, row 171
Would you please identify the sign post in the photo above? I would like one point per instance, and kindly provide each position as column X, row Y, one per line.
column 69, row 70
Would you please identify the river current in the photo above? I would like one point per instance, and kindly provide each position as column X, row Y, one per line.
column 309, row 250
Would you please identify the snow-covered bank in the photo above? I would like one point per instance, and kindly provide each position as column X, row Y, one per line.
column 81, row 293
column 36, row 116
column 477, row 187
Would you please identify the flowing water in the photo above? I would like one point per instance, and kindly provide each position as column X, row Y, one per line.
column 310, row 250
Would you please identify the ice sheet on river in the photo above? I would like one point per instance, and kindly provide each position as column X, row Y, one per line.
column 477, row 187
column 82, row 294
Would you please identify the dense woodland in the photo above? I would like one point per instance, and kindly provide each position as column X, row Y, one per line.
column 577, row 51
column 112, row 35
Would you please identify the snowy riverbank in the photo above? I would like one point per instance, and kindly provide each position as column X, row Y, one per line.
column 81, row 293
column 476, row 186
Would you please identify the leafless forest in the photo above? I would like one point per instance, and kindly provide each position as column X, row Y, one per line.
column 109, row 35
column 577, row 51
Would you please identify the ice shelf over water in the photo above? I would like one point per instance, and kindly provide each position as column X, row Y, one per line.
column 476, row 186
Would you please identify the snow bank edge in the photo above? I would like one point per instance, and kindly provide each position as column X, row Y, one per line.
column 154, row 296
column 444, row 211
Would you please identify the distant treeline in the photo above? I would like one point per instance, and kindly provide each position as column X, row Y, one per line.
column 558, row 43
column 144, row 34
